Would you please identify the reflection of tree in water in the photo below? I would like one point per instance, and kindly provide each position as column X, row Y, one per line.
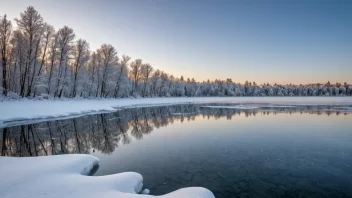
column 104, row 132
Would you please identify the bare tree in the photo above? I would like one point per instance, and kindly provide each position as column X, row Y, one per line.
column 47, row 35
column 30, row 24
column 5, row 33
column 81, row 56
column 122, row 72
column 54, row 43
column 146, row 70
column 164, row 79
column 17, row 54
column 98, row 62
column 155, row 79
column 92, row 73
column 109, row 59
column 135, row 74
column 32, row 73
column 66, row 37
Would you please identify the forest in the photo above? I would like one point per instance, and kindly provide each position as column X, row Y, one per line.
column 42, row 62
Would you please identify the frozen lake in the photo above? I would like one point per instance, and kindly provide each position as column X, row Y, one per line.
column 233, row 150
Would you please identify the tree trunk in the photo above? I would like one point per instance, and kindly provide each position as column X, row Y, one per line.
column 4, row 71
column 41, row 66
column 34, row 67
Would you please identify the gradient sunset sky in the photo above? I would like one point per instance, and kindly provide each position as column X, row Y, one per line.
column 262, row 41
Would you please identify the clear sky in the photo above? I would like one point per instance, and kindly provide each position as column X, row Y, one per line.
column 263, row 41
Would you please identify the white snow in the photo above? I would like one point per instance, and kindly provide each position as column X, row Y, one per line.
column 344, row 108
column 250, row 106
column 30, row 111
column 64, row 176
column 233, row 107
column 183, row 114
column 145, row 191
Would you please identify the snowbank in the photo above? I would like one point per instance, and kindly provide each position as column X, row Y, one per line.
column 15, row 112
column 233, row 107
column 64, row 176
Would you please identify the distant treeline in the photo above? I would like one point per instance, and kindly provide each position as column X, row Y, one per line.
column 39, row 61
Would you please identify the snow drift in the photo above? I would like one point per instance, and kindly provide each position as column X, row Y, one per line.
column 65, row 176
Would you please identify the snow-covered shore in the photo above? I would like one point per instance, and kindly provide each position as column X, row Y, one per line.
column 65, row 176
column 30, row 111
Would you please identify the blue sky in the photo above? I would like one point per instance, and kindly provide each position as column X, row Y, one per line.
column 263, row 41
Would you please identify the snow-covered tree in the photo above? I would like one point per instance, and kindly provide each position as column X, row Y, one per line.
column 109, row 61
column 30, row 24
column 5, row 33
column 81, row 55
column 37, row 61
column 65, row 39
column 135, row 74
column 146, row 70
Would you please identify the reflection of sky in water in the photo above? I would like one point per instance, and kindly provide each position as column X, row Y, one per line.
column 264, row 152
column 256, row 156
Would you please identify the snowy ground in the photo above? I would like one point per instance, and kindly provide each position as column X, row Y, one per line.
column 30, row 111
column 64, row 176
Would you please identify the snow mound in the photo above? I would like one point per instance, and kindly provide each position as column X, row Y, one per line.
column 65, row 176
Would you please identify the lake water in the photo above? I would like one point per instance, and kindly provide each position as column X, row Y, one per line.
column 240, row 151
